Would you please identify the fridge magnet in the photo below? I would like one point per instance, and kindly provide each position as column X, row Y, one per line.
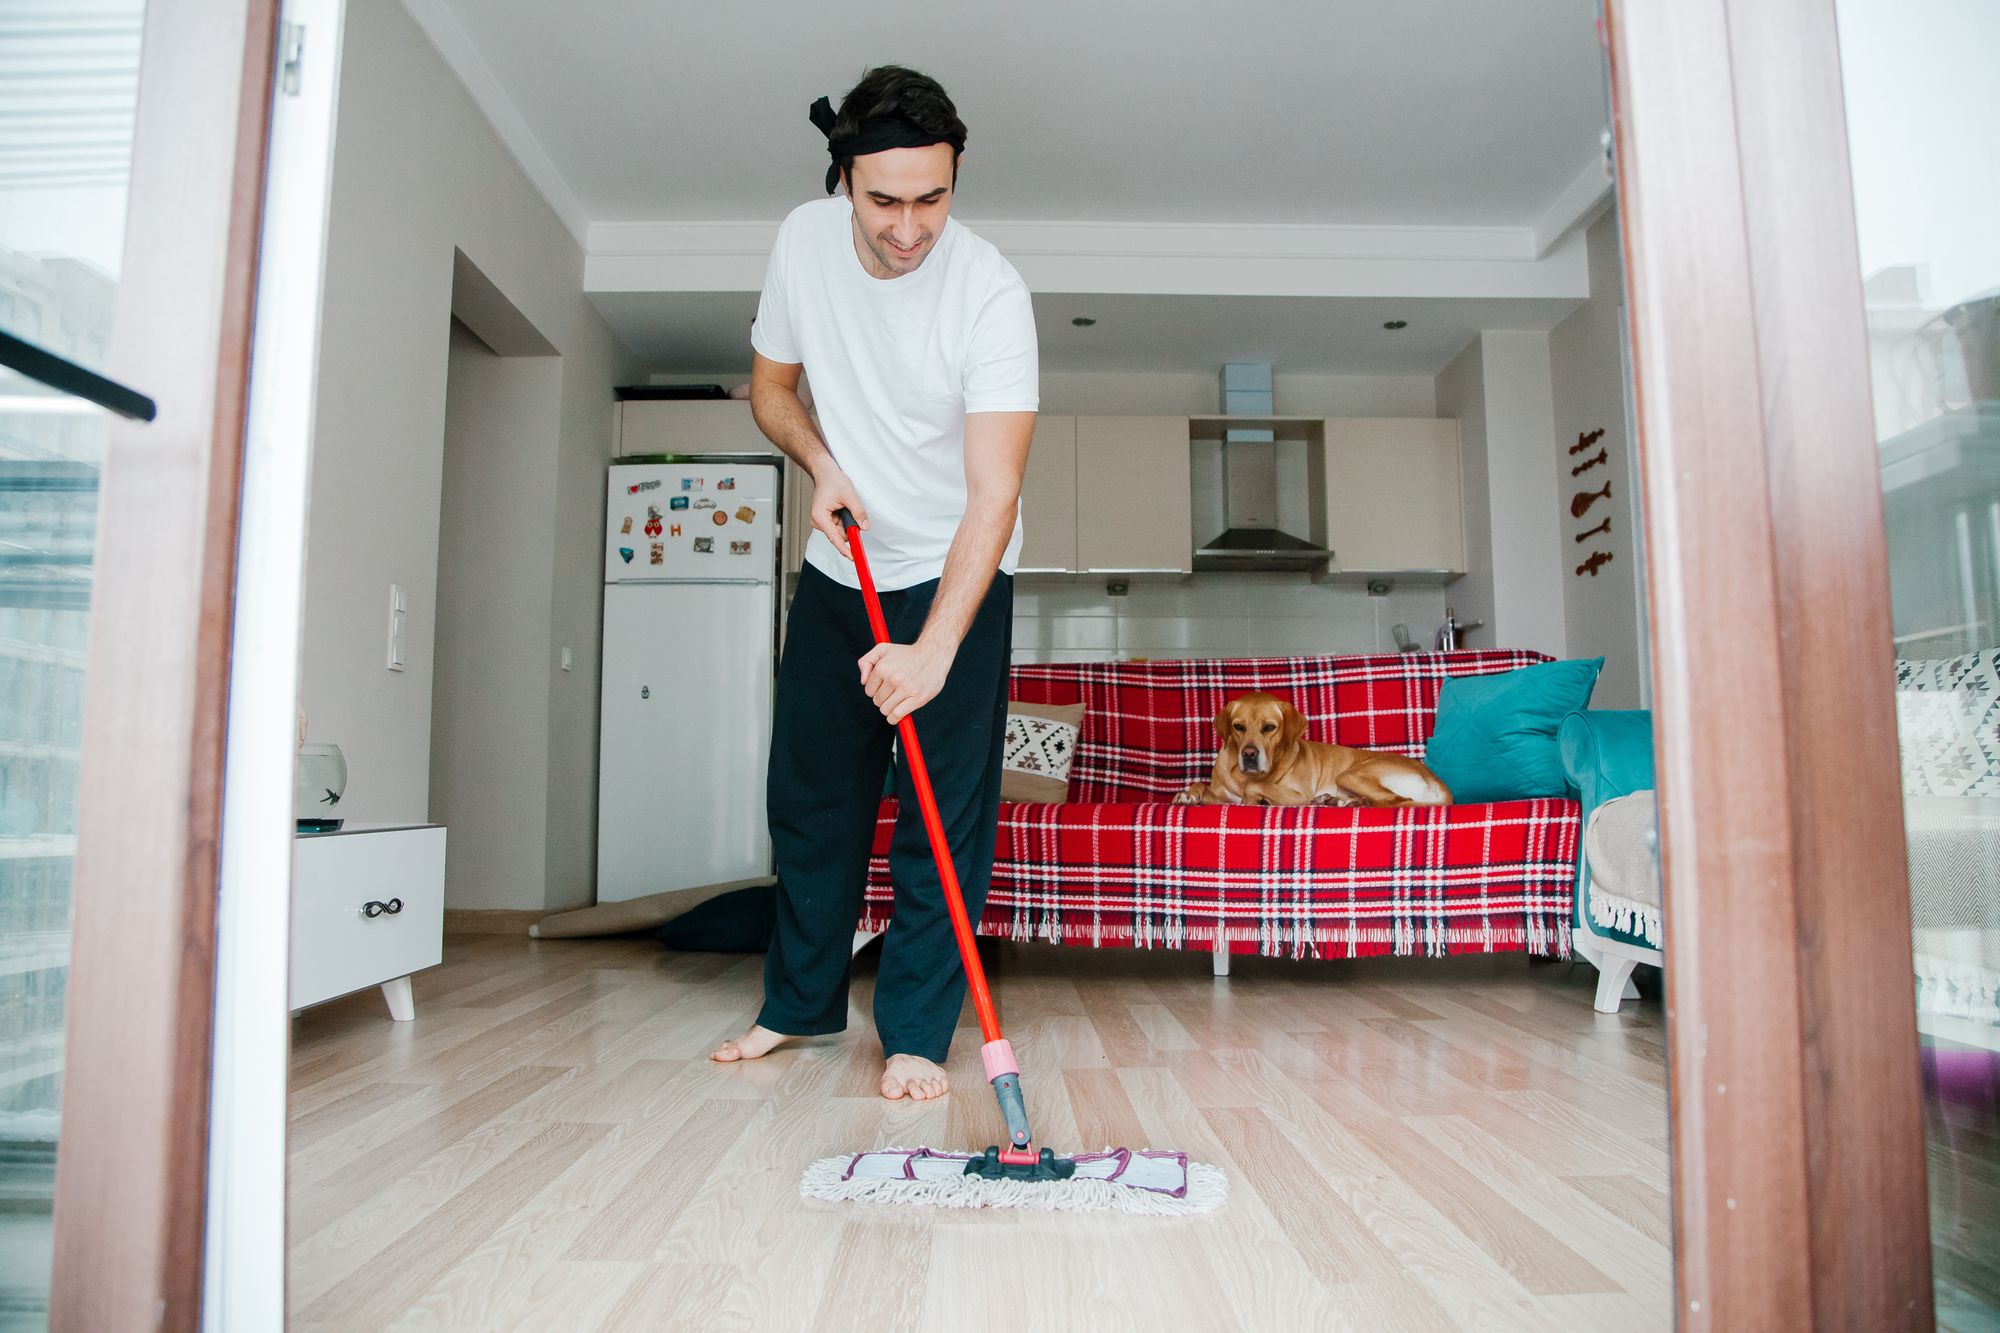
column 720, row 518
column 674, row 531
column 726, row 484
column 653, row 525
column 638, row 486
column 1588, row 463
column 704, row 545
column 659, row 553
column 678, row 502
column 1604, row 527
column 739, row 548
column 1593, row 562
column 626, row 553
column 744, row 513
column 1585, row 499
column 704, row 504
column 1584, row 439
column 687, row 483
column 626, row 526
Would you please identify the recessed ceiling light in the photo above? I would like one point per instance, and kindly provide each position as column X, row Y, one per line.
column 1083, row 321
column 1397, row 324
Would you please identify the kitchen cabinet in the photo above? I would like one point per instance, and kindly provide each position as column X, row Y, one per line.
column 1134, row 496
column 1394, row 503
column 688, row 426
column 1048, row 499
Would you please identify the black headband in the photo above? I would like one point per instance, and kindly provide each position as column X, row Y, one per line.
column 874, row 135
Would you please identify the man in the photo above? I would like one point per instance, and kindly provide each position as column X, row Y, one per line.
column 920, row 343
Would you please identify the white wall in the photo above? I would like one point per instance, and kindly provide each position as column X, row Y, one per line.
column 418, row 172
column 1601, row 612
column 1523, row 493
column 1461, row 393
column 489, row 734
column 1498, row 388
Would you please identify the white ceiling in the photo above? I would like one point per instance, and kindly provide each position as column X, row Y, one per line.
column 1420, row 112
column 686, row 332
column 1414, row 115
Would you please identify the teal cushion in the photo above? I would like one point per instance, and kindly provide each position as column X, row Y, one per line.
column 1495, row 738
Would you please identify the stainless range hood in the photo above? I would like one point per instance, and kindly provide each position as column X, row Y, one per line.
column 1260, row 550
column 1251, row 541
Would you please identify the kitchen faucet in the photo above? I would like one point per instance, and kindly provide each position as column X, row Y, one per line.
column 1448, row 633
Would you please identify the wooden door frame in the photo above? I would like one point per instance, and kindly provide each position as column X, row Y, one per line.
column 132, row 1162
column 1798, row 1142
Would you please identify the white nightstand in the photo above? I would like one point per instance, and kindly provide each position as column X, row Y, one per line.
column 367, row 910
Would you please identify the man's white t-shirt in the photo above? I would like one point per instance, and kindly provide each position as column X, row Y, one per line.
column 895, row 365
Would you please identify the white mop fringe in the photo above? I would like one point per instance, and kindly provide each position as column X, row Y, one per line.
column 1207, row 1188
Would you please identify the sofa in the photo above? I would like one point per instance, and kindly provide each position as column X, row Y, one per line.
column 1607, row 759
column 1117, row 864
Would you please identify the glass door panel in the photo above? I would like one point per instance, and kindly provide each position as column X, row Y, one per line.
column 1922, row 105
column 68, row 87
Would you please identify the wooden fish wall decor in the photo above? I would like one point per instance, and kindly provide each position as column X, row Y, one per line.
column 1585, row 499
column 1580, row 503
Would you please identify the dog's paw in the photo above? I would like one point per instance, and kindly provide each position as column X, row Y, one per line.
column 1194, row 795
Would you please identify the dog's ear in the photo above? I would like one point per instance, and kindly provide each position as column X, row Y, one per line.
column 1294, row 724
column 1223, row 719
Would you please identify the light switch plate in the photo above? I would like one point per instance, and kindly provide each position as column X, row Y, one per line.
column 565, row 659
column 399, row 604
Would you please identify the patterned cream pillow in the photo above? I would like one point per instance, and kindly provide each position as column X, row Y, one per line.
column 1041, row 741
column 1948, row 725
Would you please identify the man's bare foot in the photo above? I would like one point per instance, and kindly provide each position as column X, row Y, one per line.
column 752, row 1045
column 914, row 1077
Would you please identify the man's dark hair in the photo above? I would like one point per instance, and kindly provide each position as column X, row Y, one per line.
column 893, row 91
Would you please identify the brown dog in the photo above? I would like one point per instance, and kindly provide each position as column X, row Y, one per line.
column 1266, row 760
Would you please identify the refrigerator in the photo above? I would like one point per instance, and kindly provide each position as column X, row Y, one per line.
column 689, row 665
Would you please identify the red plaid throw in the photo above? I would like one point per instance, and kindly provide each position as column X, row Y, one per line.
column 1116, row 865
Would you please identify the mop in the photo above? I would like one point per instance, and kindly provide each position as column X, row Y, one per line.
column 1015, row 1175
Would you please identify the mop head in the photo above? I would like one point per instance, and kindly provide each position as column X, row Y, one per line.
column 1157, row 1184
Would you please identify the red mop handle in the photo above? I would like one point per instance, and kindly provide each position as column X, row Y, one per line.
column 920, row 778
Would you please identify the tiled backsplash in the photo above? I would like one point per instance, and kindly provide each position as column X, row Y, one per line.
column 1213, row 615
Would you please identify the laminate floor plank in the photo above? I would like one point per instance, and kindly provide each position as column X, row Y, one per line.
column 1453, row 1143
column 387, row 1284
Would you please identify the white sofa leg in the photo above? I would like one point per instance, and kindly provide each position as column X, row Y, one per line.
column 1614, row 984
column 861, row 938
column 1221, row 954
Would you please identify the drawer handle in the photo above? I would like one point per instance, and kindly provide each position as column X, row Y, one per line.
column 372, row 909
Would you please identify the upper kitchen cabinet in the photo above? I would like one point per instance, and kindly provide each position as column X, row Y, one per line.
column 1393, row 500
column 1048, row 499
column 1134, row 505
column 698, row 426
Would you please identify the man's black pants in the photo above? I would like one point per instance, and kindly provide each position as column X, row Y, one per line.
column 829, row 757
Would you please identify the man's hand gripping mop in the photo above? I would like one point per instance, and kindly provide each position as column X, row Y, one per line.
column 1015, row 1175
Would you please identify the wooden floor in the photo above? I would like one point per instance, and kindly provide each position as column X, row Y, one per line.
column 1411, row 1144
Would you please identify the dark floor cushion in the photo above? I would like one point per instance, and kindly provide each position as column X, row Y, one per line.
column 739, row 922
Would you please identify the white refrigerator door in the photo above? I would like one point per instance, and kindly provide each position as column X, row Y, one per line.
column 686, row 736
column 691, row 521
